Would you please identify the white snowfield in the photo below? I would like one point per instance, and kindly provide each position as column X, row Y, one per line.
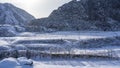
column 3, row 42
column 70, row 35
column 21, row 62
column 69, row 63
column 43, row 38
column 76, row 35
column 76, row 64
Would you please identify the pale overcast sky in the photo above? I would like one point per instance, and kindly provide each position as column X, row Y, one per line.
column 38, row 8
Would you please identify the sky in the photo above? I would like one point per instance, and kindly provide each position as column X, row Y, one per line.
column 37, row 8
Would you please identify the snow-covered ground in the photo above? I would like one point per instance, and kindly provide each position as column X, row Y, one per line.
column 21, row 62
column 58, row 63
column 64, row 40
column 77, row 64
column 76, row 35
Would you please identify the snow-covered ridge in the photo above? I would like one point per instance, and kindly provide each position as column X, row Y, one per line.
column 83, row 15
column 12, row 19
column 13, row 15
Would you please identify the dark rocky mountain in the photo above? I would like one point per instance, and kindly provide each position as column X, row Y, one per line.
column 12, row 19
column 103, row 15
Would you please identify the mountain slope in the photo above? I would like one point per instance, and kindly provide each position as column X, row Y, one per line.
column 12, row 19
column 82, row 15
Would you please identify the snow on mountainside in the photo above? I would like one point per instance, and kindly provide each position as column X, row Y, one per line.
column 77, row 63
column 12, row 19
column 82, row 15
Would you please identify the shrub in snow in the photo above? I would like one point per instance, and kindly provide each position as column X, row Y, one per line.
column 25, row 61
column 7, row 31
column 95, row 43
column 4, row 47
column 19, row 29
column 19, row 47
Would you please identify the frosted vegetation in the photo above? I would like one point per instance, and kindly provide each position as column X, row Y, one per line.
column 79, row 34
column 71, row 49
column 62, row 45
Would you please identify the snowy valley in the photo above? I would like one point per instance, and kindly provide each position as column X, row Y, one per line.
column 79, row 34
